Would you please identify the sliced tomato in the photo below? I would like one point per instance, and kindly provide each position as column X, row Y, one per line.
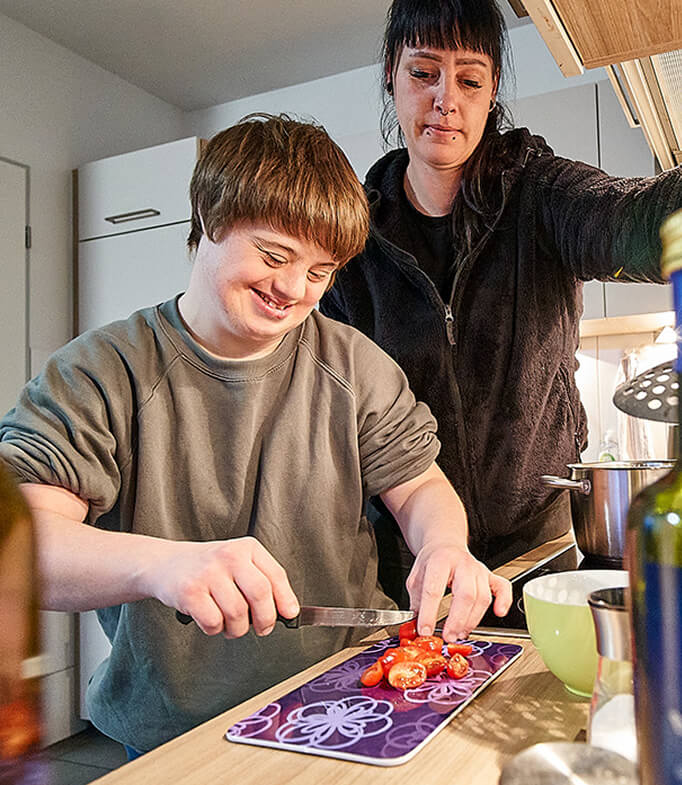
column 460, row 648
column 433, row 662
column 457, row 666
column 429, row 643
column 407, row 675
column 408, row 631
column 373, row 675
column 411, row 652
column 390, row 657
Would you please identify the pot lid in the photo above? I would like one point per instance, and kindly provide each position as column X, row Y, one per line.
column 652, row 395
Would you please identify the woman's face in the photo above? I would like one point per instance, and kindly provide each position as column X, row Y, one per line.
column 442, row 99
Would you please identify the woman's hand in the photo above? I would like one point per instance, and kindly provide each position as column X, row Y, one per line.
column 226, row 586
column 441, row 564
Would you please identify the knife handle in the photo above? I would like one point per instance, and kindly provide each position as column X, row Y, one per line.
column 292, row 624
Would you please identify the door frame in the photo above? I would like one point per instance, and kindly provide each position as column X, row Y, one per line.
column 27, row 262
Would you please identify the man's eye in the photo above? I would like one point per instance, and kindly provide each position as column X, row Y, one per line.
column 316, row 277
column 273, row 261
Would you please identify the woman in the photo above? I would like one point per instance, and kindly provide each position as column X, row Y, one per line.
column 472, row 276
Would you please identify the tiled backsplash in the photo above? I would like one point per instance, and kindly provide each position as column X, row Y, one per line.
column 601, row 370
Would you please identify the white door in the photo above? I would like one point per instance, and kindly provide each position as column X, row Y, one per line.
column 13, row 291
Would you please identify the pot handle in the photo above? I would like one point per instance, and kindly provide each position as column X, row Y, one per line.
column 583, row 486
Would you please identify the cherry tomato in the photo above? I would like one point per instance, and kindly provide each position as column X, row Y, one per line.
column 407, row 675
column 373, row 675
column 408, row 631
column 433, row 662
column 460, row 648
column 410, row 651
column 429, row 643
column 390, row 657
column 457, row 666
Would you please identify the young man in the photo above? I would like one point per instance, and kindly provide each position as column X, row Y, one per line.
column 222, row 447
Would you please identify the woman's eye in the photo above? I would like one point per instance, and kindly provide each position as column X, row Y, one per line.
column 417, row 73
column 472, row 83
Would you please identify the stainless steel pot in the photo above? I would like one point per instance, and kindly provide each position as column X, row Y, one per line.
column 600, row 498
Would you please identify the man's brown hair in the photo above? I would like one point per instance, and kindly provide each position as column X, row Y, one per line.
column 287, row 174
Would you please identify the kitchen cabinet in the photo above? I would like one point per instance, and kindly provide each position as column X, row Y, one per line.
column 567, row 119
column 132, row 226
column 586, row 123
column 623, row 151
column 591, row 33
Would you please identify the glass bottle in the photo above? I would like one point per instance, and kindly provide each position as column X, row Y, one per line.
column 20, row 726
column 654, row 560
column 612, row 711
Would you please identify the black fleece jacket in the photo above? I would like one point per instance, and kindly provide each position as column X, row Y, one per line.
column 496, row 363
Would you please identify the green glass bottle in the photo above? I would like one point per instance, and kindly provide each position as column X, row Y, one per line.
column 654, row 560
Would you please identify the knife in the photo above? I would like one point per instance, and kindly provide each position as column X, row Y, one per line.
column 322, row 616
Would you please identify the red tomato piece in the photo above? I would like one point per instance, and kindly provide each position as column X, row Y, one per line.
column 411, row 652
column 460, row 648
column 429, row 643
column 408, row 631
column 457, row 666
column 407, row 675
column 373, row 675
column 433, row 662
column 390, row 657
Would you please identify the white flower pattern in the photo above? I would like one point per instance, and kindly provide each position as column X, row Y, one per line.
column 336, row 724
column 257, row 723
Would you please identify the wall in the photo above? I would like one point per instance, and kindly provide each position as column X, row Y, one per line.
column 349, row 104
column 59, row 111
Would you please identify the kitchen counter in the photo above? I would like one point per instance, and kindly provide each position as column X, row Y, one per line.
column 525, row 705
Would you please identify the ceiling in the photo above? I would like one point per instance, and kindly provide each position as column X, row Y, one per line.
column 196, row 54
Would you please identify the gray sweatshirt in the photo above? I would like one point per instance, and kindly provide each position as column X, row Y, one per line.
column 162, row 438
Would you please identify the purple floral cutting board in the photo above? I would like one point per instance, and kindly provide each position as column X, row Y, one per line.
column 335, row 716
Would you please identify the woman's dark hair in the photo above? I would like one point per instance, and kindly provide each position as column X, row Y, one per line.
column 477, row 25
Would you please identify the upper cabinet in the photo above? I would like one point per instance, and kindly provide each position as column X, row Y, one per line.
column 591, row 33
column 137, row 190
column 639, row 43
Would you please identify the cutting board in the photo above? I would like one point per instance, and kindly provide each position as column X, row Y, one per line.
column 335, row 716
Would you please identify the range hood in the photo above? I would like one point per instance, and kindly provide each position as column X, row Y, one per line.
column 638, row 44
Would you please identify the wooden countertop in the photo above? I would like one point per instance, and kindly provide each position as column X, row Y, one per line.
column 525, row 705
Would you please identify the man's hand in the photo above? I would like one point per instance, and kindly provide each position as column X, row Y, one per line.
column 226, row 585
column 440, row 564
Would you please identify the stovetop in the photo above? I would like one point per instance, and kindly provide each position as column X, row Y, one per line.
column 514, row 623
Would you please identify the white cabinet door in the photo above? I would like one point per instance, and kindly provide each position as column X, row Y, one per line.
column 625, row 153
column 137, row 190
column 120, row 274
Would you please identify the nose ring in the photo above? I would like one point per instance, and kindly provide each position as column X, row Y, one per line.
column 443, row 111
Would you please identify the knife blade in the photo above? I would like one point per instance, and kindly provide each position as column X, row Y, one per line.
column 324, row 616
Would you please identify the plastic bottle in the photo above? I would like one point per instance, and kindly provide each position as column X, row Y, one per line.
column 608, row 449
column 654, row 560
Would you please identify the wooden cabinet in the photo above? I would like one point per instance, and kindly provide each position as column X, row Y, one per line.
column 590, row 33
